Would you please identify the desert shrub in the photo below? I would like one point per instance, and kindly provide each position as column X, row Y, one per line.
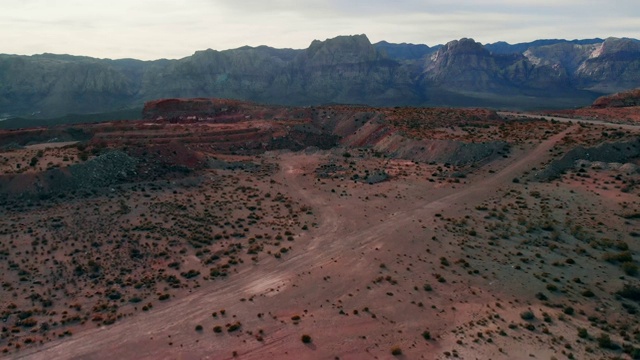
column 426, row 335
column 198, row 327
column 395, row 351
column 306, row 339
column 569, row 310
column 28, row 323
column 604, row 341
column 114, row 295
column 583, row 333
column 621, row 245
column 630, row 309
column 588, row 293
column 217, row 329
column 624, row 256
column 629, row 291
column 527, row 315
column 190, row 274
column 630, row 268
column 233, row 327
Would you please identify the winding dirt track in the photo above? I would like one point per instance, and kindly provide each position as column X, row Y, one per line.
column 570, row 120
column 145, row 335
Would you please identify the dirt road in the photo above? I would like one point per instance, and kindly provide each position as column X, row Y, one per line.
column 569, row 120
column 285, row 287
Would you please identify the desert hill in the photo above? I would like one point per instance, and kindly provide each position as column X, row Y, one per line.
column 621, row 108
column 629, row 98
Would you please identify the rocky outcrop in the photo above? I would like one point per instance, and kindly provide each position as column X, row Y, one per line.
column 465, row 65
column 346, row 70
column 296, row 128
column 614, row 152
column 460, row 62
column 185, row 110
column 623, row 99
column 405, row 51
column 613, row 66
column 502, row 47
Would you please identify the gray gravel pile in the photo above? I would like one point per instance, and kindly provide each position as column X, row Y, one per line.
column 603, row 155
column 104, row 170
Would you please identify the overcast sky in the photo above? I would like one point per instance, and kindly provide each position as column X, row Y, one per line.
column 153, row 29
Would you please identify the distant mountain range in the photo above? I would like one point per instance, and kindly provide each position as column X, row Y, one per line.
column 345, row 69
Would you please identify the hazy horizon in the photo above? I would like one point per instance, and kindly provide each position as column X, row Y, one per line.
column 155, row 29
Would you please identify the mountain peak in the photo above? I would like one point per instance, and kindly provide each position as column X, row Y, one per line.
column 613, row 45
column 404, row 51
column 463, row 46
column 351, row 43
column 342, row 50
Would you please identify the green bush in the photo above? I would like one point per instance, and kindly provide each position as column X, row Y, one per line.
column 604, row 341
column 569, row 310
column 527, row 315
column 629, row 291
column 582, row 333
column 588, row 293
column 622, row 257
column 630, row 268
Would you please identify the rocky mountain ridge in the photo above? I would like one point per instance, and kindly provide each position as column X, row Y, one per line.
column 346, row 69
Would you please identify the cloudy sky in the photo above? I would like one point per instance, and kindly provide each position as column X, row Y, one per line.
column 153, row 29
